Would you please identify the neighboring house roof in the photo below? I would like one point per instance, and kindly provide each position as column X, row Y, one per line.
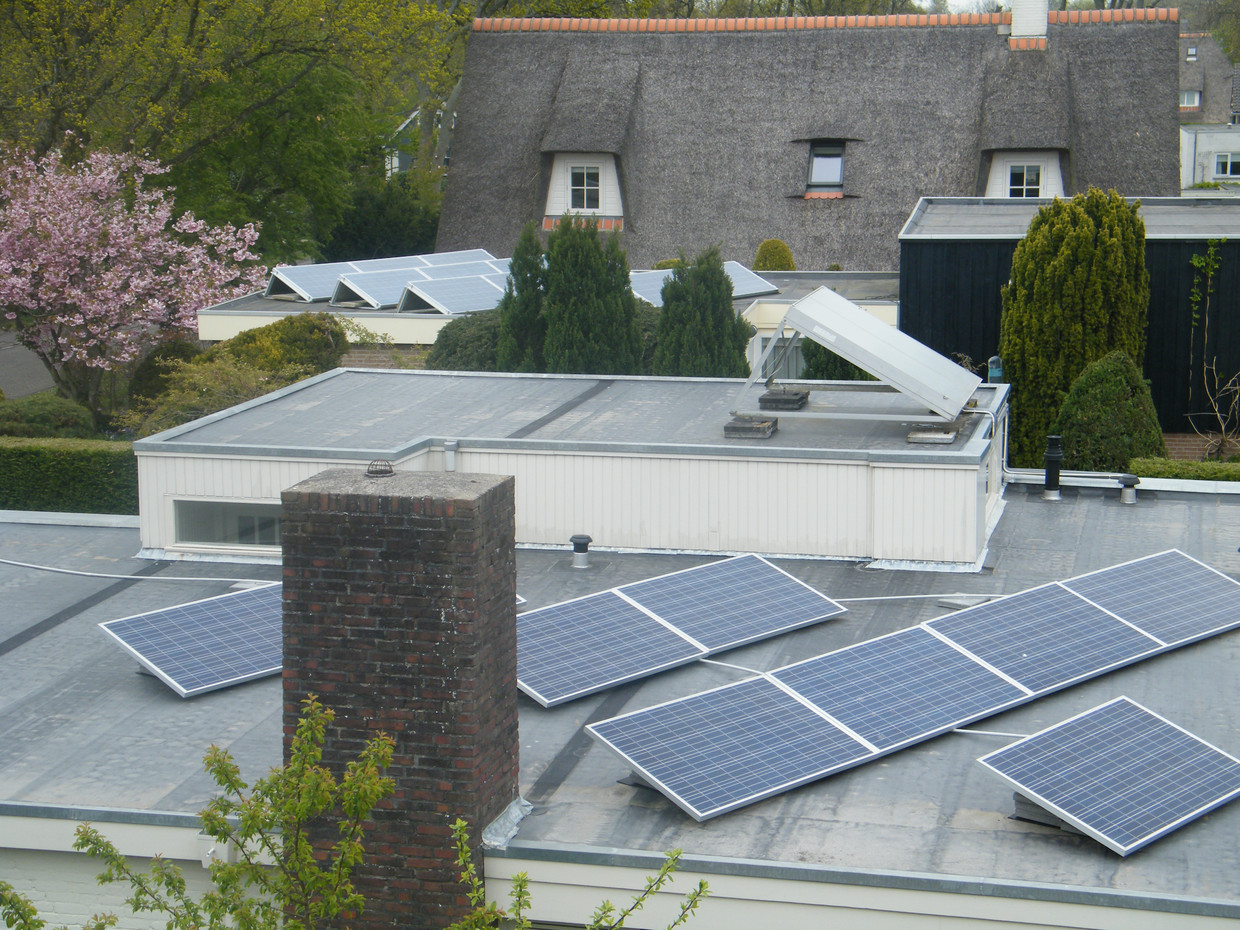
column 1205, row 69
column 710, row 122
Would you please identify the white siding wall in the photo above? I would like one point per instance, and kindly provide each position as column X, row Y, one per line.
column 795, row 506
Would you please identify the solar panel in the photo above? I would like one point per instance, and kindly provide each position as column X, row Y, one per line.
column 905, row 686
column 1119, row 773
column 390, row 264
column 453, row 295
column 648, row 285
column 731, row 602
column 723, row 749
column 204, row 645
column 458, row 270
column 581, row 646
column 1169, row 595
column 745, row 283
column 377, row 289
column 309, row 282
column 1045, row 638
column 455, row 258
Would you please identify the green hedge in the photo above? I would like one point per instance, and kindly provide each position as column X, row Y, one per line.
column 68, row 475
column 1188, row 470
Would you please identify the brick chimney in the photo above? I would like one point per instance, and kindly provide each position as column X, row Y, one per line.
column 400, row 613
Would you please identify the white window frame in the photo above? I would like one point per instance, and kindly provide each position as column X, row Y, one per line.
column 1019, row 184
column 584, row 181
column 1227, row 165
column 1190, row 100
column 560, row 189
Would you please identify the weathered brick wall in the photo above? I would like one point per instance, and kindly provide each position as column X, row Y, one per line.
column 400, row 613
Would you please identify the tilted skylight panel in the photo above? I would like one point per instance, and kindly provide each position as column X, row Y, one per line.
column 719, row 750
column 585, row 645
column 1170, row 595
column 208, row 644
column 733, row 601
column 1119, row 773
column 1045, row 638
column 906, row 686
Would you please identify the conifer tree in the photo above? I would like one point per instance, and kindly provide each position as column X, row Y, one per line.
column 699, row 332
column 522, row 327
column 588, row 303
column 1079, row 290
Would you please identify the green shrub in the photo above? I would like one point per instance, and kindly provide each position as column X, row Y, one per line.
column 1108, row 417
column 774, row 255
column 315, row 342
column 150, row 377
column 68, row 475
column 700, row 335
column 664, row 264
column 195, row 389
column 821, row 364
column 646, row 319
column 1185, row 470
column 468, row 343
column 46, row 415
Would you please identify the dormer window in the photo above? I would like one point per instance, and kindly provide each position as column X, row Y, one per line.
column 826, row 166
column 1192, row 53
column 1190, row 100
column 585, row 183
column 1025, row 174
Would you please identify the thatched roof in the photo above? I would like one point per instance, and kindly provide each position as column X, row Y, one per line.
column 710, row 120
column 1210, row 72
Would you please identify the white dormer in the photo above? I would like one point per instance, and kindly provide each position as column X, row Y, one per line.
column 585, row 184
column 1025, row 174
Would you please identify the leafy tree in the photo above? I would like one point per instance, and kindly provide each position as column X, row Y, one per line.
column 588, row 304
column 399, row 216
column 646, row 319
column 46, row 415
column 774, row 255
column 700, row 334
column 522, row 327
column 279, row 880
column 94, row 269
column 313, row 342
column 1079, row 290
column 468, row 343
column 253, row 105
column 1108, row 417
column 150, row 377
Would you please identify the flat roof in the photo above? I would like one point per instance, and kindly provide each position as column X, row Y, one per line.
column 80, row 729
column 1004, row 218
column 386, row 413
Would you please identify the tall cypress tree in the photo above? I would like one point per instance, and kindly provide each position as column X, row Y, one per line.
column 699, row 333
column 1078, row 291
column 588, row 304
column 522, row 327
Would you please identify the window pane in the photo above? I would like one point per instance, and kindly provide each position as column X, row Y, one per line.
column 584, row 188
column 1025, row 181
column 826, row 169
column 221, row 523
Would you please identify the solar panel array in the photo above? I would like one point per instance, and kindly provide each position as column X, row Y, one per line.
column 882, row 695
column 452, row 283
column 209, row 644
column 1119, row 773
column 568, row 650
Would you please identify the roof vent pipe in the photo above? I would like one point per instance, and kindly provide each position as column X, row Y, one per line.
column 1052, row 460
column 1128, row 489
column 581, row 550
column 449, row 454
column 1029, row 18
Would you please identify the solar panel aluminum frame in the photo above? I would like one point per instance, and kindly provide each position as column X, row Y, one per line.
column 1017, row 702
column 1123, row 849
column 167, row 679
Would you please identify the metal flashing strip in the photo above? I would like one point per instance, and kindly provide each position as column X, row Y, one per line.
column 992, row 657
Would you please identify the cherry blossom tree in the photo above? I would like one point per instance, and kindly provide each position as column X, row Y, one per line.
column 95, row 267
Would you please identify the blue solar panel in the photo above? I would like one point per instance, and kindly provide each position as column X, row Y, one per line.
column 309, row 282
column 458, row 270
column 376, row 288
column 731, row 602
column 207, row 644
column 745, row 283
column 454, row 295
column 455, row 258
column 722, row 749
column 1120, row 773
column 906, row 686
column 1044, row 638
column 648, row 285
column 596, row 642
column 1171, row 596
